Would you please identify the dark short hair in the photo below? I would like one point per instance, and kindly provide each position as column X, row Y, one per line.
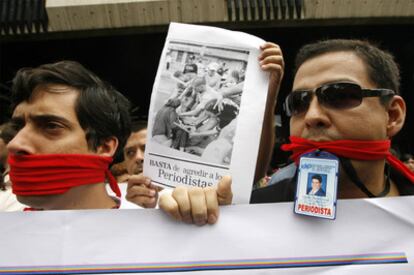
column 7, row 132
column 380, row 64
column 317, row 177
column 138, row 125
column 406, row 157
column 102, row 111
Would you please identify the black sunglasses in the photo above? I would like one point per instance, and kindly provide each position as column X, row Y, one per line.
column 343, row 95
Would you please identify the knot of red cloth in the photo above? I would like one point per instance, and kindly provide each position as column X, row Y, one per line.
column 352, row 149
column 57, row 173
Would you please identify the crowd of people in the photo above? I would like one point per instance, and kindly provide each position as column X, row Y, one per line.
column 67, row 125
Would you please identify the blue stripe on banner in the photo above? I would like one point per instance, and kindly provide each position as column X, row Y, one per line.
column 357, row 259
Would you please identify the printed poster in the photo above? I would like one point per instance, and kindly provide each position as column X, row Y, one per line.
column 206, row 110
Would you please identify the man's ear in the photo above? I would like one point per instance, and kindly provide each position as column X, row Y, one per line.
column 396, row 115
column 108, row 147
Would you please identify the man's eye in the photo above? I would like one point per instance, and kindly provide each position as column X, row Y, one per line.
column 130, row 153
column 52, row 126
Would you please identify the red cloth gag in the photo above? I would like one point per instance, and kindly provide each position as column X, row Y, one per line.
column 57, row 173
column 352, row 149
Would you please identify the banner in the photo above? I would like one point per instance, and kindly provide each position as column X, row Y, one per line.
column 369, row 236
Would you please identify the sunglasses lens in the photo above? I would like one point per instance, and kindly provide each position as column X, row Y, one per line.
column 335, row 96
column 298, row 102
column 340, row 95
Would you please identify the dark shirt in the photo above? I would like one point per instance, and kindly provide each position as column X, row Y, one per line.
column 285, row 190
column 320, row 192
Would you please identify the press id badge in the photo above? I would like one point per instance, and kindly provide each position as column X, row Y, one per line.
column 317, row 185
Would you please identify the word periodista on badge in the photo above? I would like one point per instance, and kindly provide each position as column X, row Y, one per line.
column 314, row 209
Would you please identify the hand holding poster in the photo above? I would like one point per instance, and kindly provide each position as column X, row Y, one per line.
column 206, row 109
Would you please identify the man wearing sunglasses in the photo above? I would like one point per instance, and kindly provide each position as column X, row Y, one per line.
column 345, row 101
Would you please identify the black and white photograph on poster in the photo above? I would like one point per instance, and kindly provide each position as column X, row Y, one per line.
column 199, row 98
column 207, row 106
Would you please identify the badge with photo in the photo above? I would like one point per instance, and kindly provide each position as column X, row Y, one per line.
column 317, row 182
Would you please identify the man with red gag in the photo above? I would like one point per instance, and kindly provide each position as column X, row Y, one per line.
column 344, row 102
column 69, row 126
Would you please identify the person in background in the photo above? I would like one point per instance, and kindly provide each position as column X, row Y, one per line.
column 8, row 201
column 133, row 155
column 408, row 160
column 135, row 147
column 139, row 192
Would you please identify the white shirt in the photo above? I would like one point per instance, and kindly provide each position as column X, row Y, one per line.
column 8, row 201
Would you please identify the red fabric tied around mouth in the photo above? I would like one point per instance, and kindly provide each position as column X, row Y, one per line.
column 57, row 173
column 352, row 149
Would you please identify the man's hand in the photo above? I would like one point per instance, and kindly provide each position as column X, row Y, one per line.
column 271, row 60
column 140, row 191
column 197, row 205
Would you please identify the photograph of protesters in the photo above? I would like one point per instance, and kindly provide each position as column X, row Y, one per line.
column 198, row 96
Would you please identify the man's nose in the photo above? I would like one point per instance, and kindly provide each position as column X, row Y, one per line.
column 140, row 155
column 316, row 116
column 21, row 143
